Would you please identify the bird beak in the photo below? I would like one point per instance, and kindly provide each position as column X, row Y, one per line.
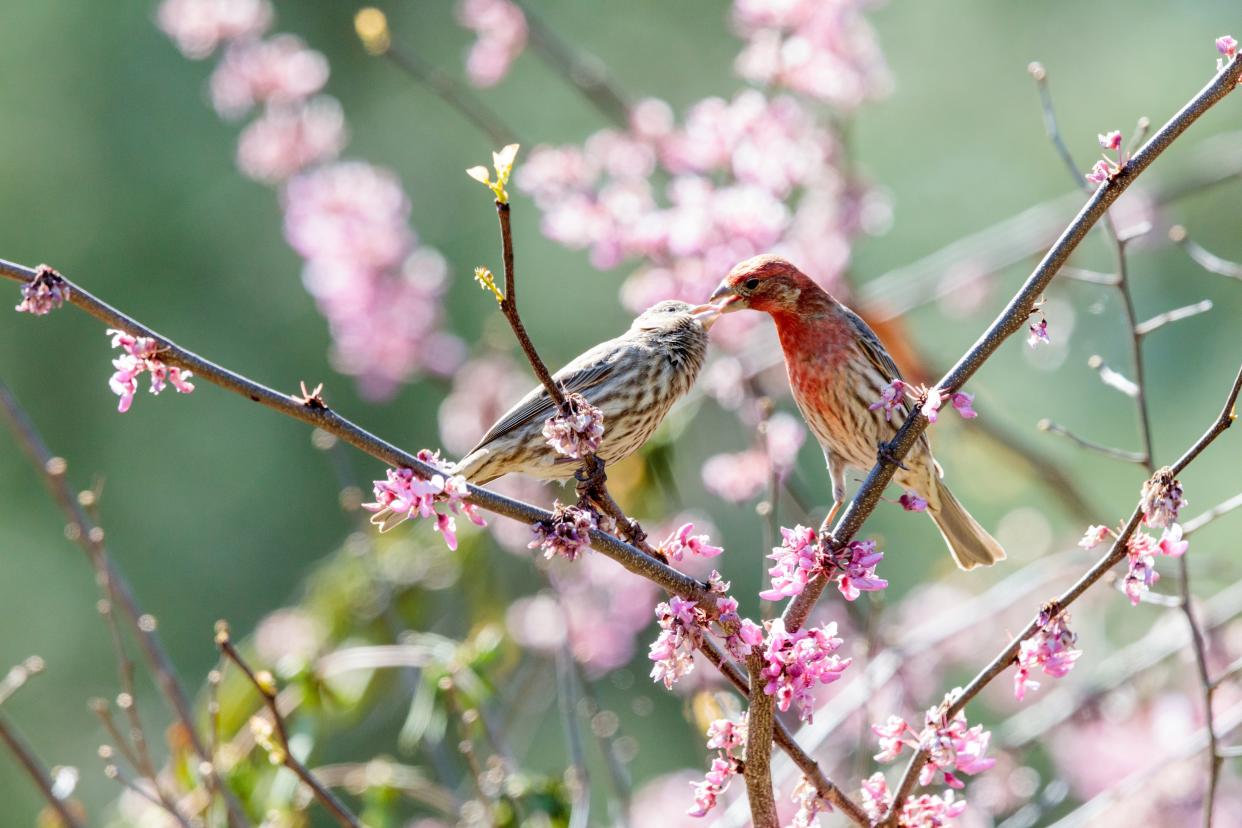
column 726, row 299
column 706, row 315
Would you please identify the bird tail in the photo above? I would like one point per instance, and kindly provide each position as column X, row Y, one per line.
column 969, row 542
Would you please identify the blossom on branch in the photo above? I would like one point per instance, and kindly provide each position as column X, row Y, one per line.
column 1039, row 334
column 681, row 632
column 952, row 746
column 1051, row 648
column 810, row 805
column 1141, row 552
column 911, row 502
column 1161, row 499
column 44, row 293
column 923, row 811
column 796, row 662
column 142, row 355
column 676, row 545
column 577, row 429
column 1106, row 167
column 566, row 534
column 799, row 559
column 724, row 736
column 962, row 402
column 404, row 495
column 748, row 635
column 1095, row 535
column 892, row 397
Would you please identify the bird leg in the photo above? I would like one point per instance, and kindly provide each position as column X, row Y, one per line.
column 885, row 452
column 593, row 493
column 836, row 507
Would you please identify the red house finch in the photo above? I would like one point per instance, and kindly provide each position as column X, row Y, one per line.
column 633, row 379
column 837, row 368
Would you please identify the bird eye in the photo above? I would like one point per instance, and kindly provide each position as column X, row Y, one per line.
column 751, row 284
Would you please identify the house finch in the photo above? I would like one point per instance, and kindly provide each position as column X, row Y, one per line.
column 837, row 369
column 633, row 379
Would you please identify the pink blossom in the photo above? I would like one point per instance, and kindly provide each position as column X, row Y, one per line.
column 911, row 502
column 854, row 569
column 1094, row 536
column 44, row 293
column 747, row 635
column 931, row 406
column 680, row 542
column 1050, row 648
column 142, row 354
column 1161, row 499
column 726, row 735
column 893, row 736
column 1111, row 141
column 404, row 495
column 1101, row 172
column 349, row 213
column 810, row 805
column 501, row 29
column 566, row 534
column 1227, row 46
column 287, row 139
column 952, row 746
column 577, row 429
column 681, row 632
column 1039, row 334
column 963, row 403
column 279, row 71
column 784, row 435
column 1171, row 543
column 893, row 398
column 797, row 662
column 1141, row 575
column 198, row 26
column 876, row 798
column 713, row 785
column 797, row 561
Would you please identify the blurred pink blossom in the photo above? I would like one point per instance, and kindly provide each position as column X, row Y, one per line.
column 911, row 502
column 198, row 26
column 483, row 390
column 736, row 477
column 280, row 70
column 501, row 29
column 284, row 140
column 142, row 355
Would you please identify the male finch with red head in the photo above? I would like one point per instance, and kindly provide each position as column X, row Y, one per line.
column 837, row 369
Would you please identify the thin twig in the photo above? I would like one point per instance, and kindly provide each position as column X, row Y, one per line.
column 1206, row 260
column 328, row 799
column 30, row 763
column 1177, row 314
column 90, row 537
column 1083, row 443
column 1199, row 521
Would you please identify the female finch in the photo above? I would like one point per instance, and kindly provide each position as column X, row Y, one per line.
column 837, row 369
column 633, row 379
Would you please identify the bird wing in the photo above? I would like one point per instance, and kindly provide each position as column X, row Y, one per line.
column 872, row 348
column 580, row 376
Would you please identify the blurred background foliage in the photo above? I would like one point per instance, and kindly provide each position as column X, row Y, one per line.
column 115, row 169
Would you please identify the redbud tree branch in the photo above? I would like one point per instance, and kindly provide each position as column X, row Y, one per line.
column 30, row 763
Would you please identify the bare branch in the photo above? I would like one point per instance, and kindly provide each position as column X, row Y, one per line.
column 1208, row 261
column 1082, row 442
column 1176, row 315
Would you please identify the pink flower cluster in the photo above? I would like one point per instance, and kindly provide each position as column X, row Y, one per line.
column 750, row 175
column 44, row 293
column 404, row 495
column 923, row 811
column 952, row 746
column 1051, row 648
column 741, row 635
column 797, row 662
column 799, row 559
column 825, row 50
column 1106, row 167
column 142, row 355
column 893, row 397
column 1141, row 552
column 810, row 805
column 681, row 631
column 740, row 476
column 1039, row 333
column 577, row 429
column 380, row 292
column 724, row 736
column 1161, row 499
column 501, row 29
column 567, row 534
column 911, row 502
column 676, row 545
column 1228, row 49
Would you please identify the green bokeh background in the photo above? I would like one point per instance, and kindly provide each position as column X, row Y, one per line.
column 115, row 169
